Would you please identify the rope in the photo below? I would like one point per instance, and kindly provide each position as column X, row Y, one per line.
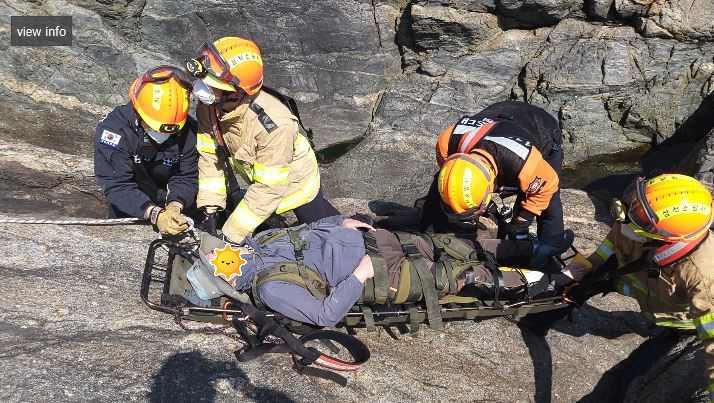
column 99, row 221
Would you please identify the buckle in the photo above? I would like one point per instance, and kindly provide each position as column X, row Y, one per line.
column 411, row 250
column 370, row 242
column 298, row 255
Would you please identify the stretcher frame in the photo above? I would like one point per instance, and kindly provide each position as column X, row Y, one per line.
column 156, row 293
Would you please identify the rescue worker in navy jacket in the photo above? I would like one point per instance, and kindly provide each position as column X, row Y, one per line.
column 508, row 146
column 145, row 156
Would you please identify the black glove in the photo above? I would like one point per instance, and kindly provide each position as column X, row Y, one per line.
column 210, row 221
column 518, row 228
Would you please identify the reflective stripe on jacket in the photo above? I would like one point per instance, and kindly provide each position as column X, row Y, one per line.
column 681, row 297
column 267, row 151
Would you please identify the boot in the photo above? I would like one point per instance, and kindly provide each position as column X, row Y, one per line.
column 545, row 248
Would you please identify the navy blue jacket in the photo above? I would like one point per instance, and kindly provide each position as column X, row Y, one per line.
column 121, row 148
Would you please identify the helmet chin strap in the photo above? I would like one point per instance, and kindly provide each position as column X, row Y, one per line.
column 228, row 97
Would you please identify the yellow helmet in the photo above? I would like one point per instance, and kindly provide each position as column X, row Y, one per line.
column 668, row 207
column 228, row 64
column 161, row 98
column 466, row 183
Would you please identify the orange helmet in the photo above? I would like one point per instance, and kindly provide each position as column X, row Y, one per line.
column 161, row 98
column 466, row 182
column 228, row 64
column 668, row 207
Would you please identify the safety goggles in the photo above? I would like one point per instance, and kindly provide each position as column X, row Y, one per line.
column 633, row 211
column 468, row 216
column 209, row 60
column 159, row 75
column 162, row 74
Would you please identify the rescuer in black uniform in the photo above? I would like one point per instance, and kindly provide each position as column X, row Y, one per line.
column 145, row 156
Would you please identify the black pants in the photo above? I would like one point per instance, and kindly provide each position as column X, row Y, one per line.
column 314, row 210
column 114, row 212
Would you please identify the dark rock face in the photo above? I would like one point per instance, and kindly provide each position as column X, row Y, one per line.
column 700, row 162
column 335, row 58
column 611, row 86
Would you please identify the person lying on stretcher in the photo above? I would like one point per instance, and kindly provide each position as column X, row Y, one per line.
column 315, row 273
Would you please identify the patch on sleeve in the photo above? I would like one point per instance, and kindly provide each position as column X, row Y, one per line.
column 110, row 139
column 535, row 185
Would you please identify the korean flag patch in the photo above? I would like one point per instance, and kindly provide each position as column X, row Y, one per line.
column 110, row 139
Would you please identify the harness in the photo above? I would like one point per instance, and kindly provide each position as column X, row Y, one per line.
column 410, row 284
column 467, row 133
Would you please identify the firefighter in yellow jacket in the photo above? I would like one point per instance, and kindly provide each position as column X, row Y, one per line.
column 662, row 254
column 258, row 134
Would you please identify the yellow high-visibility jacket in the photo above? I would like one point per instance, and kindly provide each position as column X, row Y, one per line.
column 681, row 297
column 267, row 150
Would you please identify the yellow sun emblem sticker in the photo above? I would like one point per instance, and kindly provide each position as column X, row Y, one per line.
column 227, row 263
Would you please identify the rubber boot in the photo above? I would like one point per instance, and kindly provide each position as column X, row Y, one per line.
column 545, row 248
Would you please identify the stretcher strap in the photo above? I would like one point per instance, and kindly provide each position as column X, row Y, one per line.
column 433, row 311
column 497, row 281
column 450, row 275
column 254, row 294
column 367, row 296
column 368, row 318
column 380, row 284
column 413, row 319
column 303, row 356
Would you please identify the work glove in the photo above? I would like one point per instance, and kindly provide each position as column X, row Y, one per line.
column 168, row 221
column 518, row 228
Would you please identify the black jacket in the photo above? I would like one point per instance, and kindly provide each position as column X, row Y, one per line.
column 133, row 173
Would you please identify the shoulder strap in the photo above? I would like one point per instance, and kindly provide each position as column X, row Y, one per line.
column 263, row 117
column 291, row 273
column 290, row 103
column 468, row 132
column 223, row 153
column 298, row 246
column 270, row 237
